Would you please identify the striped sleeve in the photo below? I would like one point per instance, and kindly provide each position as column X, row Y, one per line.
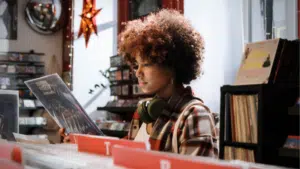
column 198, row 136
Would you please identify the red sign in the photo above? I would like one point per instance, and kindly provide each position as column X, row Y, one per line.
column 10, row 152
column 103, row 145
column 156, row 160
column 73, row 138
column 7, row 164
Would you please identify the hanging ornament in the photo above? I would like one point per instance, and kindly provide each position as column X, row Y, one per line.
column 88, row 20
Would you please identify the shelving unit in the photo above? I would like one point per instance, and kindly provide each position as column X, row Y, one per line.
column 273, row 121
column 15, row 68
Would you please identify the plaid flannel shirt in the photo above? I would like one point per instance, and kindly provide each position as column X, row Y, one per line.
column 196, row 133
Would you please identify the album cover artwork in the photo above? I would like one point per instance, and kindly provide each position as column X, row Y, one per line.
column 257, row 62
column 62, row 105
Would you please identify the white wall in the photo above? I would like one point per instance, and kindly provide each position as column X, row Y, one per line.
column 220, row 23
column 27, row 39
column 87, row 62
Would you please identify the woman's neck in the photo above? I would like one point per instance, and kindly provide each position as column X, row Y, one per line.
column 169, row 90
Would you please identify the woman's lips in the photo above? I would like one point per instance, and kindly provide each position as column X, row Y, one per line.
column 142, row 83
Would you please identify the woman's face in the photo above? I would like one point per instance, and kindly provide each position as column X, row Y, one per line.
column 152, row 78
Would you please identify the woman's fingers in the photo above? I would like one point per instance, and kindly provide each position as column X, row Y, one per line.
column 66, row 139
column 62, row 132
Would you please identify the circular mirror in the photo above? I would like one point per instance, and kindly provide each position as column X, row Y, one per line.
column 44, row 16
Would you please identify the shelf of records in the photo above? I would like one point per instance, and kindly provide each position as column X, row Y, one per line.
column 122, row 103
column 124, row 75
column 21, row 57
column 32, row 121
column 126, row 90
column 237, row 153
column 29, row 104
column 243, row 115
column 247, row 111
column 26, row 93
column 114, row 128
column 113, row 125
column 15, row 82
column 123, row 81
column 17, row 69
column 117, row 61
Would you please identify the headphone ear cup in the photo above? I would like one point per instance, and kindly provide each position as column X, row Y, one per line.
column 155, row 107
column 143, row 113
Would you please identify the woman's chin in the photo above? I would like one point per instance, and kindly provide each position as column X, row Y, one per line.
column 148, row 92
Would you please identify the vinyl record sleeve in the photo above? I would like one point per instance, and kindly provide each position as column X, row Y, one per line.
column 62, row 105
column 258, row 62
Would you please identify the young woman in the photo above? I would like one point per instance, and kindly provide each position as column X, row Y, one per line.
column 166, row 52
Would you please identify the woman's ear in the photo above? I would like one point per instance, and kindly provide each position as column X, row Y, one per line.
column 173, row 76
column 170, row 73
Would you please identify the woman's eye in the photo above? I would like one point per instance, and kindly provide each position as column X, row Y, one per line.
column 147, row 64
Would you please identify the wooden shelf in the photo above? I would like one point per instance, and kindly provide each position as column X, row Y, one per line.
column 118, row 110
column 241, row 145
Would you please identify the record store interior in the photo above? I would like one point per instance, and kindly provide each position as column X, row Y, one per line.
column 165, row 84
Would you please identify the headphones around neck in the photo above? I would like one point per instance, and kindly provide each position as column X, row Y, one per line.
column 150, row 110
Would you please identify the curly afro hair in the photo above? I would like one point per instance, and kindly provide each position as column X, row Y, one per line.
column 165, row 38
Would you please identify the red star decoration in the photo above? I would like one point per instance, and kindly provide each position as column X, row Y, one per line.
column 88, row 20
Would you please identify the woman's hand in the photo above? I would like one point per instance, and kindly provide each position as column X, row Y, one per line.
column 66, row 138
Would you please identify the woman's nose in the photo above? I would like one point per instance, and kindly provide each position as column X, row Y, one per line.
column 138, row 72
